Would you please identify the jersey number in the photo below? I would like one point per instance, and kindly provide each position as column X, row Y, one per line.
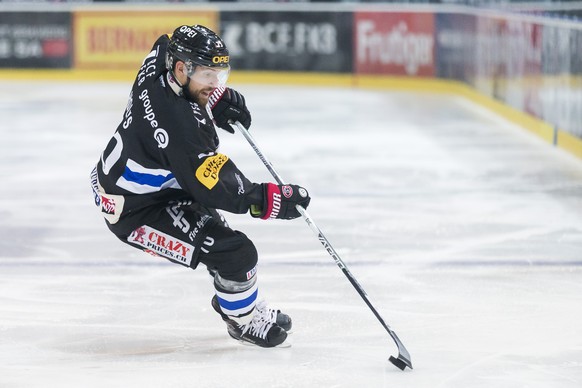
column 108, row 162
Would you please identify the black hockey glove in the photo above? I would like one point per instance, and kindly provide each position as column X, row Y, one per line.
column 231, row 106
column 280, row 201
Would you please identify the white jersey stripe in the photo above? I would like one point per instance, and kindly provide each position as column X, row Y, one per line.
column 141, row 180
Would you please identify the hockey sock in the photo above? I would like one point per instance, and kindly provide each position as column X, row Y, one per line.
column 237, row 299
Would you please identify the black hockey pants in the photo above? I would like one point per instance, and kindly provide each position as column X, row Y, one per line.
column 188, row 234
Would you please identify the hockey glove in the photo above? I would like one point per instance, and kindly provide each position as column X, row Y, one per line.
column 230, row 107
column 280, row 201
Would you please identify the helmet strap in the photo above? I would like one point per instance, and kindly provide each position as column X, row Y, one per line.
column 181, row 90
column 174, row 83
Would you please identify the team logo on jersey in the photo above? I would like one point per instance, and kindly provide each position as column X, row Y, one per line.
column 287, row 191
column 161, row 137
column 107, row 205
column 162, row 244
column 209, row 170
column 111, row 206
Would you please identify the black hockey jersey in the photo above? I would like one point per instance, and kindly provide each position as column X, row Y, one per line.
column 166, row 148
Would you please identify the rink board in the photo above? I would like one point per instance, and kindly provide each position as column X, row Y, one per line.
column 552, row 135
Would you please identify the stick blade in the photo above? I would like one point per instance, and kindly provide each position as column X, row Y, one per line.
column 400, row 362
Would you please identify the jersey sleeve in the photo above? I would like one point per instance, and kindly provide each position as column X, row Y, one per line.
column 210, row 177
column 220, row 184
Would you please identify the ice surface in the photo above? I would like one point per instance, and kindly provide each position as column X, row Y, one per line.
column 465, row 231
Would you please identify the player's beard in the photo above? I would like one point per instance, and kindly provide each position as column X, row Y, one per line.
column 199, row 96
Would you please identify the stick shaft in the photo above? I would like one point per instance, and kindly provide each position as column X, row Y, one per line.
column 403, row 353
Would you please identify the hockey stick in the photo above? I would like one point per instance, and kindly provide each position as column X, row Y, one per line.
column 403, row 359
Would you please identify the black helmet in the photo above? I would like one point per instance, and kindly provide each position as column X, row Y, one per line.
column 196, row 45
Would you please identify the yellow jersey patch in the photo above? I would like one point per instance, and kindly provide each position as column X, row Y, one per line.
column 208, row 171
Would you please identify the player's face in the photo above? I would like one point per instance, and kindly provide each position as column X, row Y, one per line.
column 204, row 80
column 201, row 90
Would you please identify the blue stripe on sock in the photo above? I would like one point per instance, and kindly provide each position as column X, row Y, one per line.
column 238, row 304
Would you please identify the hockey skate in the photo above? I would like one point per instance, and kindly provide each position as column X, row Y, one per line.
column 275, row 316
column 263, row 330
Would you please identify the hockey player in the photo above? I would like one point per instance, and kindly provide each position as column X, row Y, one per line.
column 161, row 178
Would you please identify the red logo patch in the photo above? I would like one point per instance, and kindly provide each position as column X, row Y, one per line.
column 107, row 205
column 137, row 235
column 287, row 191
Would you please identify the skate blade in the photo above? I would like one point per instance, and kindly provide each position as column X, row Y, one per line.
column 284, row 344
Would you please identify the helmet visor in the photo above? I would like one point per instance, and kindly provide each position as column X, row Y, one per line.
column 209, row 76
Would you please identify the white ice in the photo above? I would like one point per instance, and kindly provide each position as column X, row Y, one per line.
column 464, row 230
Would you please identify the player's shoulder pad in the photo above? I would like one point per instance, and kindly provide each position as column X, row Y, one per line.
column 164, row 39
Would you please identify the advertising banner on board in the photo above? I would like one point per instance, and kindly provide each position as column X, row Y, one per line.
column 560, row 92
column 121, row 39
column 456, row 37
column 394, row 43
column 508, row 62
column 289, row 41
column 35, row 40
